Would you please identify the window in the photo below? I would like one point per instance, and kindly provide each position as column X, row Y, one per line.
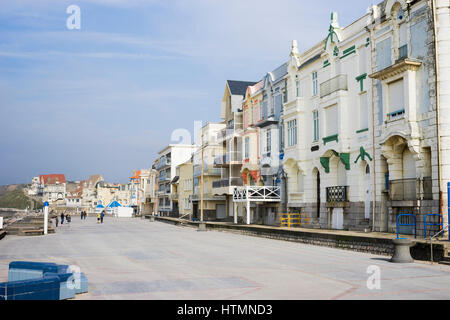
column 363, row 112
column 268, row 141
column 315, row 84
column 285, row 96
column 266, row 105
column 297, row 88
column 247, row 147
column 331, row 114
column 396, row 99
column 261, row 110
column 292, row 133
column 316, row 125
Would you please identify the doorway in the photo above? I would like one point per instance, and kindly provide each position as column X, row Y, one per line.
column 337, row 219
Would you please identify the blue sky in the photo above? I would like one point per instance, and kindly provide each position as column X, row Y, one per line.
column 106, row 98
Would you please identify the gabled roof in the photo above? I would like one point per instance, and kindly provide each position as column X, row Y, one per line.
column 52, row 178
column 238, row 88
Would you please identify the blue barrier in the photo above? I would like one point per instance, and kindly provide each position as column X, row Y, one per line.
column 66, row 285
column 37, row 289
column 25, row 270
column 441, row 223
column 36, row 281
column 407, row 225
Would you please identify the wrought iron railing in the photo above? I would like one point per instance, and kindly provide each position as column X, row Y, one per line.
column 337, row 194
column 227, row 183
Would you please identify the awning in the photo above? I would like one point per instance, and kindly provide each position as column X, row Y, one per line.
column 175, row 180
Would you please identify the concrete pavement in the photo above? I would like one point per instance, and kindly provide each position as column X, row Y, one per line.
column 138, row 259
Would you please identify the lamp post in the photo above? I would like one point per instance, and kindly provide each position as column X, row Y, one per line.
column 202, row 226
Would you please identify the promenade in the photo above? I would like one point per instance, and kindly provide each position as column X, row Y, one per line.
column 138, row 259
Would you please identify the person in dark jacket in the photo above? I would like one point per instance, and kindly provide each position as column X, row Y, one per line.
column 102, row 216
column 62, row 218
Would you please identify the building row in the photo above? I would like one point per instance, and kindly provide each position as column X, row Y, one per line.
column 349, row 134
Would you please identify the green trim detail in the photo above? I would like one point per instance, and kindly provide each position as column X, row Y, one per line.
column 326, row 63
column 362, row 155
column 361, row 79
column 345, row 159
column 348, row 52
column 330, row 139
column 325, row 162
column 367, row 42
column 362, row 130
column 336, row 52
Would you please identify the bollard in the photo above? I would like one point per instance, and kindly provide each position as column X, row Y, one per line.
column 402, row 253
column 202, row 227
column 152, row 219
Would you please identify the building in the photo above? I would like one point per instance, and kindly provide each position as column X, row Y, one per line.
column 148, row 192
column 214, row 207
column 53, row 188
column 166, row 164
column 182, row 189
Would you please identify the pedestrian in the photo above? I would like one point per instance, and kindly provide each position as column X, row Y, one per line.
column 62, row 218
column 56, row 221
column 98, row 217
column 68, row 218
column 85, row 215
column 102, row 216
column 82, row 215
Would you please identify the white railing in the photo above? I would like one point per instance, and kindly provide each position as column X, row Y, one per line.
column 435, row 236
column 263, row 194
column 335, row 84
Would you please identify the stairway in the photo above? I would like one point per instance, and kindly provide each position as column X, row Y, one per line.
column 446, row 259
column 29, row 226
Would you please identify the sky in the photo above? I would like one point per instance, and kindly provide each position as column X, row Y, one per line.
column 105, row 98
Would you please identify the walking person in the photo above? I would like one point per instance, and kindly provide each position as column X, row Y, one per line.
column 102, row 216
column 85, row 215
column 62, row 218
column 56, row 221
column 98, row 217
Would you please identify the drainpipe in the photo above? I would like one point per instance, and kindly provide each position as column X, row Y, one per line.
column 438, row 127
column 374, row 191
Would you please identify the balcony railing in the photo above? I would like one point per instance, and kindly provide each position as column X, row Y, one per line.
column 237, row 182
column 163, row 177
column 263, row 194
column 207, row 171
column 335, row 84
column 411, row 189
column 229, row 158
column 337, row 194
column 163, row 161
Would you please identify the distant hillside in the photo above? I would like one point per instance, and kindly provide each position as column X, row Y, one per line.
column 16, row 198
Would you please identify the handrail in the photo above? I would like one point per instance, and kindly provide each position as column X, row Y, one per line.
column 441, row 222
column 184, row 216
column 431, row 240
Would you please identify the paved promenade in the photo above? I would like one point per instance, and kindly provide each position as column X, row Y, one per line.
column 137, row 259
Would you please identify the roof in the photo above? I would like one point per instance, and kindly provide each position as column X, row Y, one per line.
column 279, row 72
column 52, row 178
column 114, row 204
column 239, row 88
column 136, row 175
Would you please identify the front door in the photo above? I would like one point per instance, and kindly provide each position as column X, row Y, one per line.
column 337, row 219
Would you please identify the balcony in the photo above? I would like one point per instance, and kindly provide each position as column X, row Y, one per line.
column 333, row 85
column 337, row 194
column 207, row 171
column 228, row 159
column 257, row 194
column 163, row 162
column 174, row 196
column 163, row 177
column 411, row 189
column 227, row 183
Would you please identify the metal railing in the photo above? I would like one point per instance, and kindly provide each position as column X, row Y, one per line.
column 337, row 194
column 435, row 236
column 227, row 183
column 334, row 84
column 407, row 223
column 228, row 158
column 293, row 220
column 428, row 224
column 207, row 171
